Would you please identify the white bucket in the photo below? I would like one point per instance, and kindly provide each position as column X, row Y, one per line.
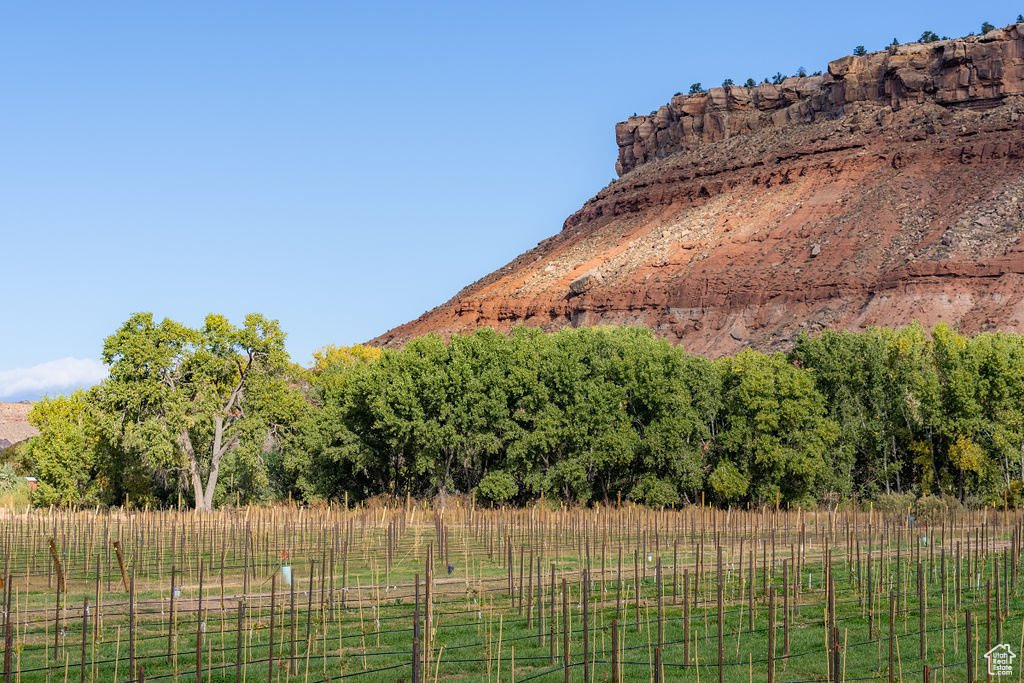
column 286, row 574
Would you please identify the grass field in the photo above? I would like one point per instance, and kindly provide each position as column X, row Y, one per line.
column 507, row 595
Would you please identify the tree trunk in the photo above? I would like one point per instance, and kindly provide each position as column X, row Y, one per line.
column 218, row 452
column 885, row 464
column 204, row 494
column 211, row 485
column 185, row 443
column 197, row 487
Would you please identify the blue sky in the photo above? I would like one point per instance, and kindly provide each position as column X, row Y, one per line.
column 341, row 167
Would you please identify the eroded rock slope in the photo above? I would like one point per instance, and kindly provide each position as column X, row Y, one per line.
column 889, row 190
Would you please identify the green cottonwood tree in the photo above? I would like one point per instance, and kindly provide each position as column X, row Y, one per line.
column 999, row 385
column 774, row 432
column 65, row 450
column 182, row 396
column 879, row 386
column 321, row 457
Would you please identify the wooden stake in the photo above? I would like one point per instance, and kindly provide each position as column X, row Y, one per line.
column 565, row 631
column 771, row 637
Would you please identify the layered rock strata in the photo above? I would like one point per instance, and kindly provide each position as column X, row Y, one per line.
column 888, row 191
column 976, row 71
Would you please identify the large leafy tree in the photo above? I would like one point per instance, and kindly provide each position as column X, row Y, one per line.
column 911, row 392
column 76, row 462
column 880, row 386
column 184, row 399
column 955, row 432
column 977, row 425
column 64, row 454
column 847, row 369
column 999, row 385
column 775, row 440
column 389, row 405
column 672, row 401
column 584, row 415
column 590, row 435
column 472, row 427
column 333, row 360
column 322, row 457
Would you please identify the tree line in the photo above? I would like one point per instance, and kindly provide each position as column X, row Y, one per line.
column 219, row 415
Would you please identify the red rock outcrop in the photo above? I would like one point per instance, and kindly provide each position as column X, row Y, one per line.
column 974, row 71
column 888, row 191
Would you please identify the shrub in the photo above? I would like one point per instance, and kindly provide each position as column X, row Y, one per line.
column 655, row 492
column 727, row 83
column 497, row 487
column 973, row 502
column 804, row 502
column 1013, row 493
column 859, row 51
column 930, row 509
column 14, row 491
column 17, row 498
column 895, row 502
column 45, row 495
column 750, row 83
column 443, row 501
column 383, row 500
column 928, row 37
column 696, row 88
column 9, row 479
column 728, row 482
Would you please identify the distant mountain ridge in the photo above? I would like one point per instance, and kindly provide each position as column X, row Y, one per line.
column 888, row 190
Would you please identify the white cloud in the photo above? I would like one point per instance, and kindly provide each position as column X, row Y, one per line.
column 52, row 376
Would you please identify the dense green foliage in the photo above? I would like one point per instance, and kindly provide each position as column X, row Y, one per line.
column 577, row 415
column 64, row 456
column 582, row 416
column 181, row 408
column 589, row 415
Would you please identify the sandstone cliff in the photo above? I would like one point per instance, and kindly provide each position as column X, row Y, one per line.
column 890, row 189
column 978, row 71
column 14, row 426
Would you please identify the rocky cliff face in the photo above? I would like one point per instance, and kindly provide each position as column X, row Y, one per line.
column 887, row 191
column 14, row 426
column 978, row 71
